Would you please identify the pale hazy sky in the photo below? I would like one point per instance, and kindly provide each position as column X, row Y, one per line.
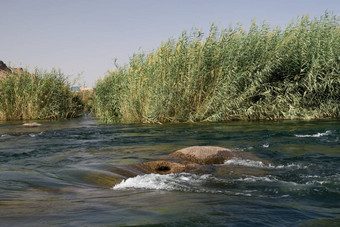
column 84, row 36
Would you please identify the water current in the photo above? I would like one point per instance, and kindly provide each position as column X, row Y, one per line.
column 77, row 173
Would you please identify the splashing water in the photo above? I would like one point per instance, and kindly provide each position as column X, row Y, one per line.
column 319, row 134
column 260, row 164
column 170, row 182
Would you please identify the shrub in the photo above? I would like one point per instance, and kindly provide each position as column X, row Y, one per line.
column 39, row 95
column 262, row 73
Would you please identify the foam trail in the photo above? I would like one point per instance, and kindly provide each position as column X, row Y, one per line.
column 328, row 132
column 245, row 162
column 259, row 164
column 34, row 135
column 258, row 179
column 268, row 186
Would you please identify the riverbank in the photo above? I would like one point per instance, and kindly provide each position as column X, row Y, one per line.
column 231, row 74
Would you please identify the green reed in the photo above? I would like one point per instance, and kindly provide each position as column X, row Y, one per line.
column 262, row 73
column 38, row 95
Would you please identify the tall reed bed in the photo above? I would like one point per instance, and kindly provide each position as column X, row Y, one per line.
column 38, row 95
column 262, row 73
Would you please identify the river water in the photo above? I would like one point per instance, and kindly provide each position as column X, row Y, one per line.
column 69, row 173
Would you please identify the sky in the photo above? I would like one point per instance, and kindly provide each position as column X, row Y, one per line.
column 83, row 37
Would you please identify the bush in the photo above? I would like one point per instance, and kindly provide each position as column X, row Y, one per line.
column 263, row 73
column 39, row 95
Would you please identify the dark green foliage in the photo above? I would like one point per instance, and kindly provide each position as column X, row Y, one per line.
column 264, row 73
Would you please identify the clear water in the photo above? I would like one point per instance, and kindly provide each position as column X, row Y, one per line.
column 69, row 173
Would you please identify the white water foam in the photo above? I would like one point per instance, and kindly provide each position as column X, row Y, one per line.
column 245, row 162
column 270, row 186
column 266, row 145
column 247, row 148
column 5, row 136
column 190, row 183
column 260, row 164
column 268, row 178
column 34, row 135
column 319, row 134
column 169, row 182
column 321, row 180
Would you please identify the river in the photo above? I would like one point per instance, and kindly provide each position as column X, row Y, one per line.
column 64, row 173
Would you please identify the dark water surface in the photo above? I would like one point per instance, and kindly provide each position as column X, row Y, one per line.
column 67, row 173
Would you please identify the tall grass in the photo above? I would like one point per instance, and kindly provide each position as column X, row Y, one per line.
column 262, row 73
column 39, row 95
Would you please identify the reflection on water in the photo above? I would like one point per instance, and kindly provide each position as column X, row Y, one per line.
column 79, row 172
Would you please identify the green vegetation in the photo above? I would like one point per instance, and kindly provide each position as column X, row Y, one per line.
column 39, row 95
column 263, row 73
column 86, row 99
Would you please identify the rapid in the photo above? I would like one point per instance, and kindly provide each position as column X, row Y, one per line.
column 70, row 173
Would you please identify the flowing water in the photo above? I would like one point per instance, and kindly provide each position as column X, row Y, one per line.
column 76, row 173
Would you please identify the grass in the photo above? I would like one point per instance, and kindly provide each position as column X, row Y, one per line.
column 38, row 95
column 232, row 74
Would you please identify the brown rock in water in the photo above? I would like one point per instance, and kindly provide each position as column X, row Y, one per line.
column 206, row 155
column 209, row 155
column 165, row 167
column 31, row 124
column 196, row 159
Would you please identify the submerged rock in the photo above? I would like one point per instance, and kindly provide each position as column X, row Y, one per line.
column 31, row 124
column 195, row 159
column 102, row 178
column 239, row 171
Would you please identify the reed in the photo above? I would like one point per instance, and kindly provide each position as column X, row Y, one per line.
column 262, row 73
column 38, row 95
